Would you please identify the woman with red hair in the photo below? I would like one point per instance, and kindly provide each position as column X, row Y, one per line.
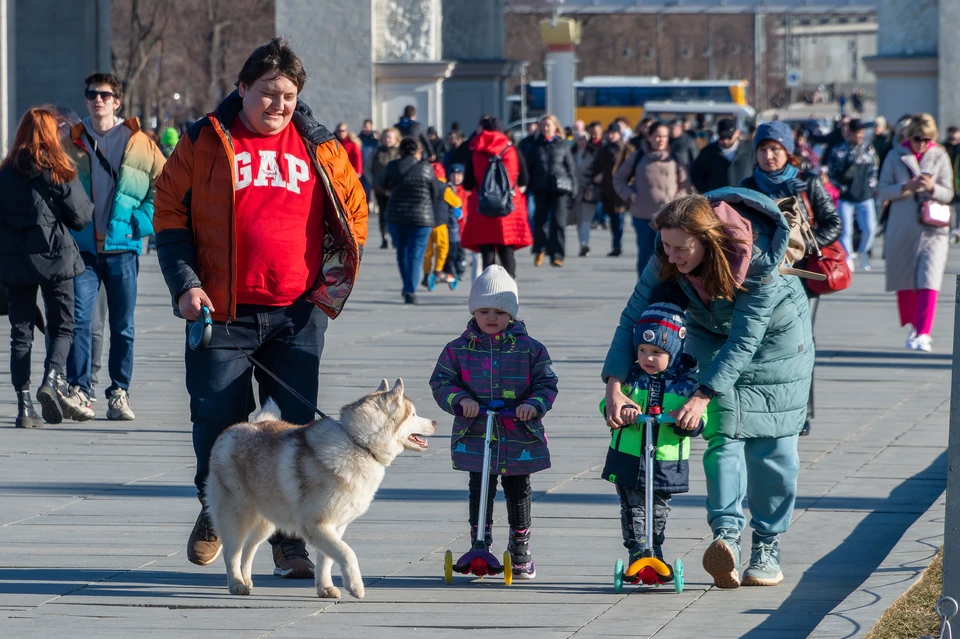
column 42, row 196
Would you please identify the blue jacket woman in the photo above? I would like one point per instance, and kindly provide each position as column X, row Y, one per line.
column 749, row 327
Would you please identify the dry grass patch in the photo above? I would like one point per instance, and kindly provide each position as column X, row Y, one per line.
column 913, row 615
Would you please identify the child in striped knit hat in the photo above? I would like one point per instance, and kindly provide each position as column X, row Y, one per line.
column 663, row 376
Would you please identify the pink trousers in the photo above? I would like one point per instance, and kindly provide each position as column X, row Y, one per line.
column 918, row 308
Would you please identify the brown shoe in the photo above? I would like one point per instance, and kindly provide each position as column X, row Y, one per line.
column 291, row 559
column 556, row 262
column 203, row 547
column 538, row 259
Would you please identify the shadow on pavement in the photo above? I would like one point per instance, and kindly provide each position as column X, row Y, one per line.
column 854, row 559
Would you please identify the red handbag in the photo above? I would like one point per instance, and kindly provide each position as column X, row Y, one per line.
column 832, row 263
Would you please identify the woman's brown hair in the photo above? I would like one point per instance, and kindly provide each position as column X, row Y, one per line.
column 37, row 146
column 694, row 214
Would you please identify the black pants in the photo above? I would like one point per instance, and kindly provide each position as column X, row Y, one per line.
column 633, row 516
column 489, row 253
column 58, row 299
column 814, row 303
column 550, row 224
column 516, row 490
column 454, row 264
column 382, row 215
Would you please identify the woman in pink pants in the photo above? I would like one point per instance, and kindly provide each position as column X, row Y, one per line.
column 916, row 253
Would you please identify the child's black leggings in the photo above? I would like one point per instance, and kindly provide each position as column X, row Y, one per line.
column 517, row 491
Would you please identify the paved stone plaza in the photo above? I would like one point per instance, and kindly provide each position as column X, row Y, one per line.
column 94, row 517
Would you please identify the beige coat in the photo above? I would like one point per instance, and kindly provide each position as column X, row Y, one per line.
column 916, row 254
column 658, row 180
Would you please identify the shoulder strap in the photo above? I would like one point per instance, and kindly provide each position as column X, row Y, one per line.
column 103, row 161
column 807, row 205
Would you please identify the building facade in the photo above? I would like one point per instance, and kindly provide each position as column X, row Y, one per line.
column 818, row 42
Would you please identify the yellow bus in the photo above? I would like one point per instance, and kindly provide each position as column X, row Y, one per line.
column 604, row 98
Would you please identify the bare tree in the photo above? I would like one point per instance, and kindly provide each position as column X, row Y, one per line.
column 178, row 58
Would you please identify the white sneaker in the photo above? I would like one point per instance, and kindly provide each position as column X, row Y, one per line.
column 76, row 404
column 923, row 343
column 851, row 265
column 119, row 406
column 865, row 265
column 911, row 344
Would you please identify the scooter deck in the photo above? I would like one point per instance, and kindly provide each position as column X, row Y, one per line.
column 649, row 570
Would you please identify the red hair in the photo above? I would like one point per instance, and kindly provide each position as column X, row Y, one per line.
column 37, row 146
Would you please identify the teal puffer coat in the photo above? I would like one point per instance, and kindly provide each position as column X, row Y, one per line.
column 756, row 352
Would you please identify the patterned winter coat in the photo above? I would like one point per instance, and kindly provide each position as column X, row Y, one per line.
column 671, row 467
column 512, row 367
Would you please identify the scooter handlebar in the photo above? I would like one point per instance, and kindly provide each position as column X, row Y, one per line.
column 505, row 413
column 662, row 418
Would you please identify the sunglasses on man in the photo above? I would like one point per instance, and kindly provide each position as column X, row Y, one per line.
column 92, row 95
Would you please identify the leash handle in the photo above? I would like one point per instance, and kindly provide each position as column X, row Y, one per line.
column 199, row 338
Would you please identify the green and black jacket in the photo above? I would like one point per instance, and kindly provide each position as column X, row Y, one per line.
column 671, row 472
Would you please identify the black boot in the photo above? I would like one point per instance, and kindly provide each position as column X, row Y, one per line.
column 806, row 429
column 26, row 416
column 49, row 399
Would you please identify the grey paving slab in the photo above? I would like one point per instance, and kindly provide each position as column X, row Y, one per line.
column 94, row 517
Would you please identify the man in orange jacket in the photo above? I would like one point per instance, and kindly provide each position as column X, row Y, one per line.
column 261, row 219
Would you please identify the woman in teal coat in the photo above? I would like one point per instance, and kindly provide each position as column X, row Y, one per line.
column 749, row 328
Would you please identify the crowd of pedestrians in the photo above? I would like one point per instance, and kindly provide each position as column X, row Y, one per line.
column 716, row 310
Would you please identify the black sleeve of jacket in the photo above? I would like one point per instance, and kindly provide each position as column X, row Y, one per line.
column 469, row 179
column 698, row 173
column 571, row 167
column 523, row 176
column 177, row 255
column 824, row 213
column 76, row 209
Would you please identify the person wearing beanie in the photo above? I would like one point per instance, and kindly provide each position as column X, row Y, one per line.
column 496, row 360
column 854, row 168
column 777, row 174
column 168, row 141
column 663, row 377
column 455, row 264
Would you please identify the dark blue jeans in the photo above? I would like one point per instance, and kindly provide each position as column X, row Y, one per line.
column 411, row 245
column 645, row 238
column 616, row 230
column 288, row 340
column 117, row 273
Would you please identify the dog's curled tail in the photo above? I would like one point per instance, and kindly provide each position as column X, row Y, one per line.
column 269, row 412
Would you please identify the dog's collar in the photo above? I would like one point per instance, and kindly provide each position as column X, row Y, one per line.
column 361, row 446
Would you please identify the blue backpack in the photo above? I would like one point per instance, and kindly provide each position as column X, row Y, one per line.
column 496, row 193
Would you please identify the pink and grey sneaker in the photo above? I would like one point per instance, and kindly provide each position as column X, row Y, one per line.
column 520, row 557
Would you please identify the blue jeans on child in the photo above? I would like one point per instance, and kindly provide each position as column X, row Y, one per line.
column 411, row 245
column 117, row 273
column 866, row 216
column 764, row 470
column 645, row 238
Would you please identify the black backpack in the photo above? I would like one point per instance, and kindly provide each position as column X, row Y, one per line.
column 496, row 193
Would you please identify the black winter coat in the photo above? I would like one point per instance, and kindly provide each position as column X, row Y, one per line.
column 827, row 223
column 547, row 161
column 684, row 149
column 712, row 171
column 411, row 129
column 35, row 248
column 608, row 160
column 413, row 189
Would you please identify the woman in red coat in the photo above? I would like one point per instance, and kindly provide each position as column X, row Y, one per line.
column 493, row 236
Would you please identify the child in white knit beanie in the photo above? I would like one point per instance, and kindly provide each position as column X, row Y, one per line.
column 495, row 359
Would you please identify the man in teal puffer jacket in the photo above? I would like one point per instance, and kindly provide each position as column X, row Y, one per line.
column 756, row 355
column 118, row 166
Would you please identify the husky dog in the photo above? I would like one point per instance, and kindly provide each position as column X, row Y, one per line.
column 310, row 480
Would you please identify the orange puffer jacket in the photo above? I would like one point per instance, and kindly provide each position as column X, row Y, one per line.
column 195, row 213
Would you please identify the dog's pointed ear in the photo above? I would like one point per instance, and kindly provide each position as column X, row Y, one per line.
column 383, row 386
column 398, row 388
